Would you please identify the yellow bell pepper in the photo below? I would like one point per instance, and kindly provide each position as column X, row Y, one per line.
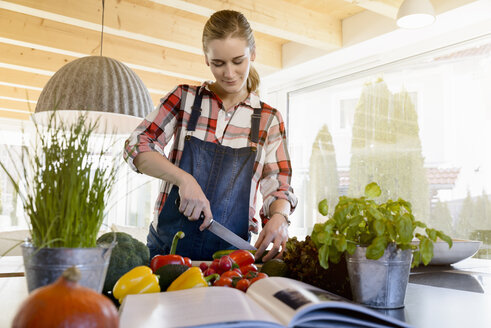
column 191, row 278
column 139, row 280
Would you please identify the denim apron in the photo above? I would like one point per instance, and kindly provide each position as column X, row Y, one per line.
column 225, row 176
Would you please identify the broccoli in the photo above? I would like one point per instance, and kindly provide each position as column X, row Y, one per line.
column 126, row 254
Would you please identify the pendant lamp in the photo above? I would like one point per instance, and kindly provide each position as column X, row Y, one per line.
column 415, row 14
column 100, row 87
column 104, row 87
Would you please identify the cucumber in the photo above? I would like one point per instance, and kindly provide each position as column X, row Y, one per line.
column 219, row 254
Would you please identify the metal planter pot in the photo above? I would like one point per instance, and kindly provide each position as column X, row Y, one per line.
column 380, row 283
column 43, row 266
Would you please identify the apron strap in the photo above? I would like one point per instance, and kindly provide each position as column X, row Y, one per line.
column 255, row 120
column 196, row 110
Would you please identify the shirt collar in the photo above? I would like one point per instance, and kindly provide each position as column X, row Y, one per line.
column 252, row 99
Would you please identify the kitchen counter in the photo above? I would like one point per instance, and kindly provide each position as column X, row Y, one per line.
column 457, row 295
column 13, row 291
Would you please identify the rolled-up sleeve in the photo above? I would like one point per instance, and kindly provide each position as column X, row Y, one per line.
column 156, row 130
column 275, row 182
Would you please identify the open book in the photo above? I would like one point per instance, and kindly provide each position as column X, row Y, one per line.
column 270, row 302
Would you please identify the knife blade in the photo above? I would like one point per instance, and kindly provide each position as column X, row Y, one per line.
column 229, row 236
column 224, row 233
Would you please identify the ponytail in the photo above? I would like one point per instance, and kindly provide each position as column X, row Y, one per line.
column 253, row 80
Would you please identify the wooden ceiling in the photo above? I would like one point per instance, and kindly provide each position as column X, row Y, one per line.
column 159, row 39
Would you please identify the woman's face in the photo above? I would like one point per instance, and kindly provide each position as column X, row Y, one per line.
column 229, row 60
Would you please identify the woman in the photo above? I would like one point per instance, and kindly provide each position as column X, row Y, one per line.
column 226, row 144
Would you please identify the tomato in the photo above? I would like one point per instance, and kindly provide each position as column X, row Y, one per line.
column 243, row 284
column 242, row 257
column 225, row 263
column 214, row 265
column 203, row 266
column 230, row 274
column 187, row 261
column 227, row 282
column 208, row 272
column 259, row 276
column 249, row 267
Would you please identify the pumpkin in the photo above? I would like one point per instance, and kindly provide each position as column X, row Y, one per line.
column 65, row 303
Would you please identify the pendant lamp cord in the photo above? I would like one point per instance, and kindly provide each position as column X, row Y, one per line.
column 102, row 26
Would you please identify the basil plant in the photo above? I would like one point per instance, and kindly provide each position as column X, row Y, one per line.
column 363, row 222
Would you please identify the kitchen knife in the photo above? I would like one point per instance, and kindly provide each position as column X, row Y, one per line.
column 224, row 233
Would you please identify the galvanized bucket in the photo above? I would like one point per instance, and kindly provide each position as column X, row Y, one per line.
column 379, row 283
column 44, row 265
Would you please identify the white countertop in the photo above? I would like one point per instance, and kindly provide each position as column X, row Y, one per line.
column 13, row 291
column 437, row 296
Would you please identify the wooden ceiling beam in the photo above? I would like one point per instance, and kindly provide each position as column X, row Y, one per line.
column 14, row 115
column 20, row 78
column 23, row 106
column 170, row 28
column 19, row 93
column 77, row 42
column 18, row 98
column 279, row 18
column 157, row 84
column 387, row 8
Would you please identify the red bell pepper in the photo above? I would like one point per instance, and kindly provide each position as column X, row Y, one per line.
column 242, row 257
column 171, row 258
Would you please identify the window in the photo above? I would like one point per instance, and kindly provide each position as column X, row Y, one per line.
column 418, row 127
column 132, row 199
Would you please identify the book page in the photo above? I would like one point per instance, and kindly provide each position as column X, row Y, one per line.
column 262, row 292
column 293, row 302
column 206, row 306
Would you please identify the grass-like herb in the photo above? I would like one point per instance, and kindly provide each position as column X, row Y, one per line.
column 64, row 183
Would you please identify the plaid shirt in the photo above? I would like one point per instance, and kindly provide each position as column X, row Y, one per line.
column 272, row 168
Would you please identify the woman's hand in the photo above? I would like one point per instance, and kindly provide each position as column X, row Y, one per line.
column 193, row 201
column 274, row 231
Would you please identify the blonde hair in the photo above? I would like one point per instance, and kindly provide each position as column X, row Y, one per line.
column 229, row 23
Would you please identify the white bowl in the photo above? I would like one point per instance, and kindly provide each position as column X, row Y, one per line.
column 460, row 250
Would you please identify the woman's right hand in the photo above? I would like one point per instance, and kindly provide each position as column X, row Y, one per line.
column 193, row 201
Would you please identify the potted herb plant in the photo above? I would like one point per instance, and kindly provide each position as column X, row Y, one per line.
column 378, row 240
column 64, row 180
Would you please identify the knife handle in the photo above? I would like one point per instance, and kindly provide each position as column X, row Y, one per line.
column 178, row 203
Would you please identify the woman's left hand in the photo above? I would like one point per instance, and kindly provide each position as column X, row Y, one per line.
column 274, row 231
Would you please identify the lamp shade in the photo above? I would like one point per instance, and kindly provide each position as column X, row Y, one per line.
column 102, row 88
column 415, row 14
